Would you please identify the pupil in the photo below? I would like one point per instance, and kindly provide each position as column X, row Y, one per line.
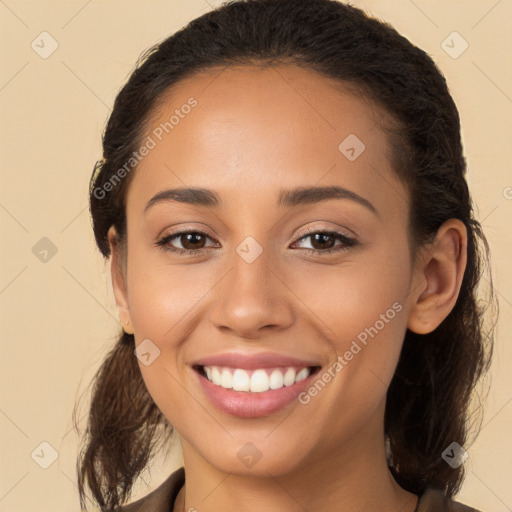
column 320, row 236
column 190, row 238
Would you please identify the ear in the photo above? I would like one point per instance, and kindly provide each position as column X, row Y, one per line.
column 118, row 273
column 439, row 274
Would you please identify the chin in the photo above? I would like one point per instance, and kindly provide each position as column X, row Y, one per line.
column 247, row 458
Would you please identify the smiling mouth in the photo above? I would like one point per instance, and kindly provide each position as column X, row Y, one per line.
column 258, row 380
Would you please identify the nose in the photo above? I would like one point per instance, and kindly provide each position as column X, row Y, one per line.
column 252, row 298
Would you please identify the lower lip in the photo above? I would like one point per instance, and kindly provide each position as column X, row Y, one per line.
column 246, row 404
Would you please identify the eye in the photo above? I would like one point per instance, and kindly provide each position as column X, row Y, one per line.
column 193, row 242
column 323, row 242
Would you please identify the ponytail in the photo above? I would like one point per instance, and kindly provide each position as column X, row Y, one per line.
column 121, row 431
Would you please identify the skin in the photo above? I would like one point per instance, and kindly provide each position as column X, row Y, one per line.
column 254, row 132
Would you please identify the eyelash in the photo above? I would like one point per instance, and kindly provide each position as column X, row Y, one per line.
column 347, row 242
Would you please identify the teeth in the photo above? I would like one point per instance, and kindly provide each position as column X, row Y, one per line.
column 276, row 380
column 226, row 379
column 259, row 381
column 304, row 373
column 256, row 381
column 216, row 378
column 240, row 380
column 289, row 377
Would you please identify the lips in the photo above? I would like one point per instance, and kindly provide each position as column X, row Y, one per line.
column 250, row 386
column 254, row 361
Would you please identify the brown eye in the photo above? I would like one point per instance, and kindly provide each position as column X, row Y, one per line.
column 191, row 242
column 322, row 241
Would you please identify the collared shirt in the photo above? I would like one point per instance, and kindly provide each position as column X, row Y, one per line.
column 163, row 497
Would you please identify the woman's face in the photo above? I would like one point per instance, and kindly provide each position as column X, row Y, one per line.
column 261, row 281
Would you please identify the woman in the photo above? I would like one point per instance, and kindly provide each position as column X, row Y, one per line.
column 295, row 262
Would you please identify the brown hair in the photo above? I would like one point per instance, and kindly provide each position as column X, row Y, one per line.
column 428, row 399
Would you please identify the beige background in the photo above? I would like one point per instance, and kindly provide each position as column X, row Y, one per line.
column 58, row 317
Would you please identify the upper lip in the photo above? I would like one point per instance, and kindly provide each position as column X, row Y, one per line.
column 253, row 361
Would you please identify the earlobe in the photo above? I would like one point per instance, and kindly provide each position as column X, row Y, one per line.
column 441, row 272
column 119, row 281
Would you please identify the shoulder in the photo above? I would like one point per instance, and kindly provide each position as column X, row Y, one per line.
column 162, row 498
column 434, row 500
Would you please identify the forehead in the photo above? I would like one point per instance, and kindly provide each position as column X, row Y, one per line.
column 253, row 130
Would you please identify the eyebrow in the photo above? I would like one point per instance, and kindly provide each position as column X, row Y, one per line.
column 286, row 198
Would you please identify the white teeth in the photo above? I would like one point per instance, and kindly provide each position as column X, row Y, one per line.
column 289, row 377
column 276, row 380
column 216, row 378
column 226, row 379
column 240, row 380
column 302, row 374
column 258, row 381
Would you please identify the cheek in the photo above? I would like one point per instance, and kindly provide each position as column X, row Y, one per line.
column 171, row 396
column 161, row 295
column 360, row 307
column 352, row 296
